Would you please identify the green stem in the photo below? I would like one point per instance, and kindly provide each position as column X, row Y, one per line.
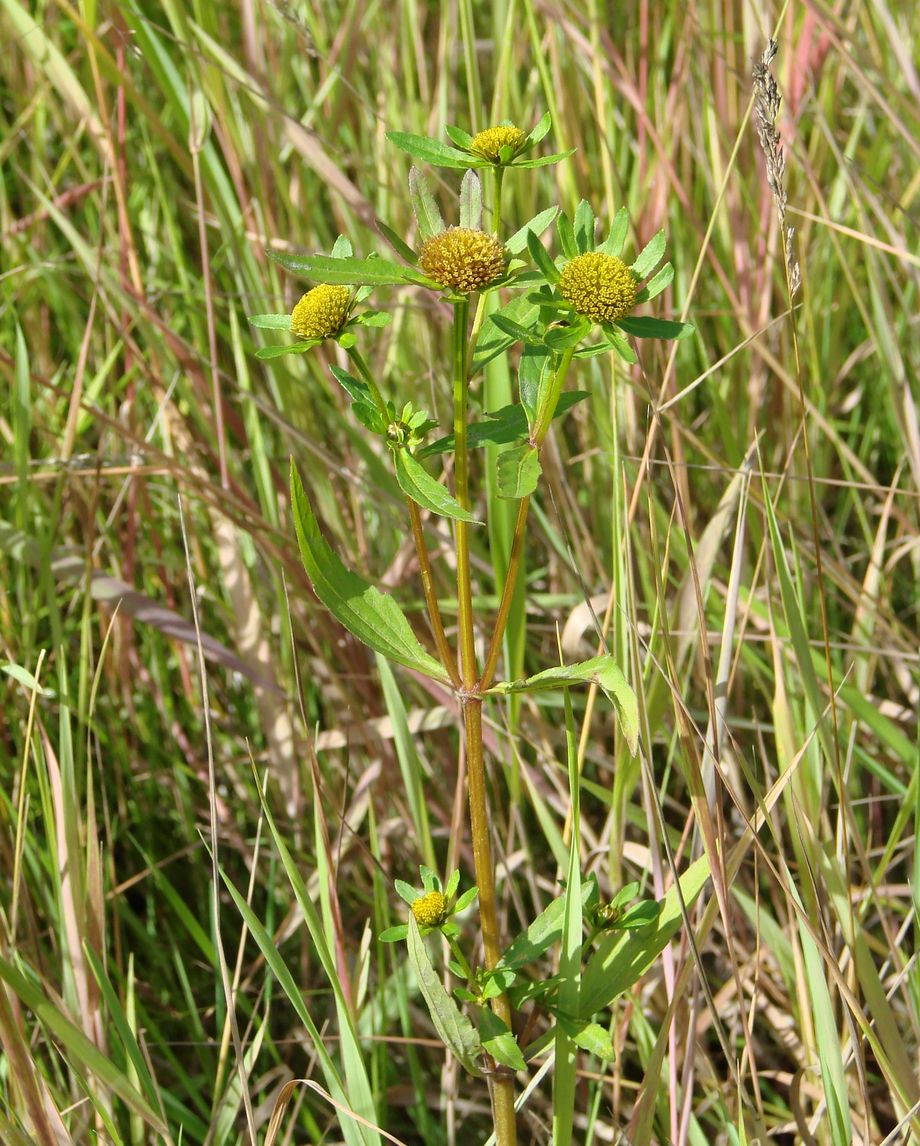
column 544, row 421
column 502, row 1083
column 418, row 536
column 498, row 175
column 462, row 480
column 364, row 370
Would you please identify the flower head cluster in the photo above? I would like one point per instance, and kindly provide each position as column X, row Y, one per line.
column 321, row 312
column 463, row 258
column 592, row 285
column 601, row 287
column 491, row 142
column 430, row 910
column 433, row 906
column 326, row 310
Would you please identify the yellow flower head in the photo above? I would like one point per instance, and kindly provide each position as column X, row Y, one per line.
column 599, row 286
column 462, row 258
column 430, row 910
column 321, row 312
column 488, row 143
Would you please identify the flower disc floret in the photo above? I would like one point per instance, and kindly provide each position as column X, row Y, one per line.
column 599, row 286
column 321, row 312
column 488, row 143
column 430, row 910
column 463, row 259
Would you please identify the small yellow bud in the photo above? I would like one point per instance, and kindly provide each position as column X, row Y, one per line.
column 462, row 258
column 321, row 312
column 430, row 910
column 488, row 143
column 599, row 286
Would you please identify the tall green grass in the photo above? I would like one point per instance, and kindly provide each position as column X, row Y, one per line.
column 148, row 155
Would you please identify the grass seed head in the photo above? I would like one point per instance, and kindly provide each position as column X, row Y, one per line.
column 489, row 142
column 599, row 286
column 463, row 259
column 430, row 910
column 321, row 312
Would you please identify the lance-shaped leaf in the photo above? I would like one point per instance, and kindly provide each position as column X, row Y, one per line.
column 625, row 956
column 349, row 272
column 373, row 617
column 541, row 129
column 424, row 205
column 613, row 245
column 537, row 224
column 509, row 424
column 432, row 151
column 455, row 1029
column 270, row 321
column 418, row 484
column 499, row 1041
column 602, row 671
column 650, row 255
column 471, row 201
column 646, row 327
column 518, row 472
column 657, row 283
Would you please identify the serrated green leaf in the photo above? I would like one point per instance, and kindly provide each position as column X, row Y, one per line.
column 619, row 344
column 464, row 900
column 603, row 671
column 566, row 232
column 406, row 892
column 454, row 1028
column 501, row 427
column 268, row 352
column 642, row 915
column 540, row 256
column 518, row 472
column 270, row 321
column 584, row 227
column 373, row 617
column 537, row 224
column 542, row 933
column 424, row 205
column 590, row 1037
column 394, row 934
column 651, row 255
column 497, row 981
column 471, row 201
column 432, row 151
column 545, row 160
column 645, row 327
column 562, row 337
column 373, row 318
column 349, row 272
column 540, row 130
column 342, row 248
column 657, row 283
column 400, row 245
column 499, row 1041
column 417, row 484
column 623, row 957
column 616, row 239
column 458, row 135
column 513, row 329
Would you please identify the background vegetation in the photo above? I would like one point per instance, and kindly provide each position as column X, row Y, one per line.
column 757, row 575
